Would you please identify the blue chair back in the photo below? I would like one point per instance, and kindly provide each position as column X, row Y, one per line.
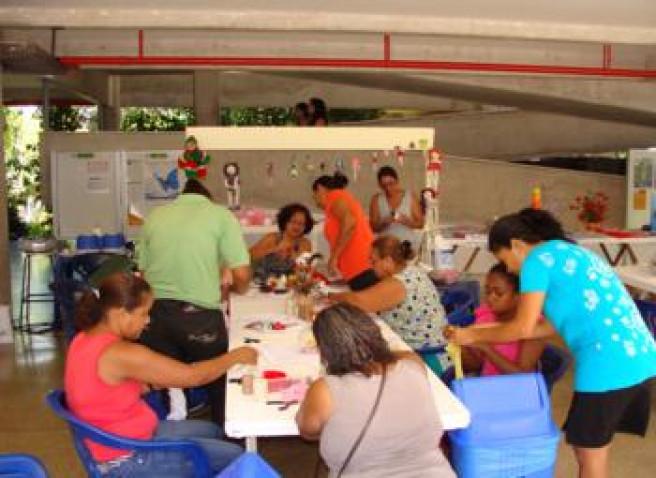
column 462, row 316
column 249, row 465
column 82, row 431
column 553, row 364
column 18, row 465
column 459, row 304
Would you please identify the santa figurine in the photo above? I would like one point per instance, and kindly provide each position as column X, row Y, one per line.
column 193, row 161
column 232, row 184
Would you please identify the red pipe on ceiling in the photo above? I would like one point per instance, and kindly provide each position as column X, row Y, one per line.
column 385, row 63
column 77, row 61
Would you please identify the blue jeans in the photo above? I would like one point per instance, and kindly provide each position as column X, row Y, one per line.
column 168, row 465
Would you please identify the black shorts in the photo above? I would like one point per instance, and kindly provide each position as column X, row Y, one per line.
column 594, row 418
column 363, row 280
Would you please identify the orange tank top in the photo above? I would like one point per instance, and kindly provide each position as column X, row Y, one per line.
column 356, row 256
column 117, row 409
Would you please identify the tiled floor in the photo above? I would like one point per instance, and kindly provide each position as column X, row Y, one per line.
column 33, row 365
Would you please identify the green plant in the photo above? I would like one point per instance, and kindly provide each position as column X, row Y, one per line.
column 156, row 119
column 37, row 219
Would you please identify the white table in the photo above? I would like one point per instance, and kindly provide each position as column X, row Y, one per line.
column 640, row 277
column 614, row 249
column 249, row 418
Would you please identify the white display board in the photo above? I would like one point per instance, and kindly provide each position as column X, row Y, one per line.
column 641, row 186
column 111, row 191
column 86, row 193
column 151, row 179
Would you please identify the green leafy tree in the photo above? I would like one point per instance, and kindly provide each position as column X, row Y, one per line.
column 156, row 119
column 65, row 118
column 256, row 116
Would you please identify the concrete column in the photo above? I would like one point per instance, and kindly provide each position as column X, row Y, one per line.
column 109, row 112
column 206, row 97
column 5, row 274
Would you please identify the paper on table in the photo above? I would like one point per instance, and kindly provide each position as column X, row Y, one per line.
column 274, row 354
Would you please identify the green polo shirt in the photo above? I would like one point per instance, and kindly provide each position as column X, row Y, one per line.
column 183, row 245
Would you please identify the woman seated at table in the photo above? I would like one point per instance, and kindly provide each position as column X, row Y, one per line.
column 106, row 373
column 373, row 412
column 276, row 252
column 396, row 211
column 405, row 298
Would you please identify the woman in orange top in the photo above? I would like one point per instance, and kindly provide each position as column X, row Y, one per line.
column 347, row 231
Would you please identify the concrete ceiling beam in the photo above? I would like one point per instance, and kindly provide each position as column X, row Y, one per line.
column 486, row 95
column 630, row 21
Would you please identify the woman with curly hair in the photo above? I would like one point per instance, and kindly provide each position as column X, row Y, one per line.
column 276, row 252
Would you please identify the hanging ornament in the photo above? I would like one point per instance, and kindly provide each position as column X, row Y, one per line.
column 386, row 153
column 434, row 160
column 193, row 161
column 400, row 155
column 355, row 166
column 233, row 185
column 293, row 171
column 322, row 166
column 269, row 173
column 374, row 162
column 339, row 165
column 411, row 145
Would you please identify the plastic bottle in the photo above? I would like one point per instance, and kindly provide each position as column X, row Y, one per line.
column 536, row 198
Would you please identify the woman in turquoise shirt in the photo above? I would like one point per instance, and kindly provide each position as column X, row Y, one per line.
column 586, row 303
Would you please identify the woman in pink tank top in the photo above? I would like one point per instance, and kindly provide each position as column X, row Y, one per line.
column 107, row 372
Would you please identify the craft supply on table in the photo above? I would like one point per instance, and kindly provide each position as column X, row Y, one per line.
column 247, row 384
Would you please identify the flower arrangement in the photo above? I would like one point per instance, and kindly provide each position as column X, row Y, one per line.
column 36, row 218
column 591, row 207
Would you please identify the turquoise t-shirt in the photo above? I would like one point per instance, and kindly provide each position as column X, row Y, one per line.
column 589, row 306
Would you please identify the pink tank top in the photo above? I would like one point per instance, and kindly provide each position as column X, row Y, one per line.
column 509, row 350
column 117, row 409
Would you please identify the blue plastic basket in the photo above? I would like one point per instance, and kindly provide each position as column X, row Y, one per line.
column 511, row 434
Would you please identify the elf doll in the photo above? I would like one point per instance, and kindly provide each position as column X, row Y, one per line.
column 193, row 161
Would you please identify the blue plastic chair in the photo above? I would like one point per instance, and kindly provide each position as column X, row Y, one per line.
column 553, row 364
column 18, row 465
column 463, row 315
column 249, row 465
column 81, row 431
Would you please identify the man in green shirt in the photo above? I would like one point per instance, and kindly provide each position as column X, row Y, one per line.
column 183, row 248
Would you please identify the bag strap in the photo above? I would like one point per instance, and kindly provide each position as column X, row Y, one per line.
column 366, row 425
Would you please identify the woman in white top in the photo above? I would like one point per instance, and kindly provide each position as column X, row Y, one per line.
column 396, row 211
column 403, row 433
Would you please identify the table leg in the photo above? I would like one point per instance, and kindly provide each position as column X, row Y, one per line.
column 632, row 255
column 471, row 259
column 604, row 249
column 251, row 444
column 624, row 249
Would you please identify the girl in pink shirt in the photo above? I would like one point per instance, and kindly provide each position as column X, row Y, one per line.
column 501, row 301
